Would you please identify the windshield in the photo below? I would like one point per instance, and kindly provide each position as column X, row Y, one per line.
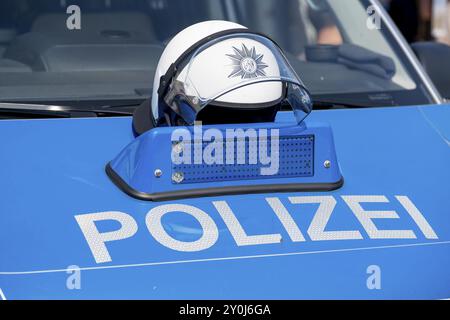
column 104, row 51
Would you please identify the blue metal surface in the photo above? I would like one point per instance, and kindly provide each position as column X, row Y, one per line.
column 302, row 153
column 53, row 170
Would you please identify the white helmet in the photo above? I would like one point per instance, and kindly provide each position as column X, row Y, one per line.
column 220, row 72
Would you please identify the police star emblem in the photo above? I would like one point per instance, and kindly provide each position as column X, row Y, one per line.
column 246, row 63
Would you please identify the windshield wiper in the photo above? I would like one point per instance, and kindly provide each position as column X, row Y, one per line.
column 338, row 104
column 20, row 110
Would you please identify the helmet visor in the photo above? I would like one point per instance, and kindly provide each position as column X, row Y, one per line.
column 239, row 71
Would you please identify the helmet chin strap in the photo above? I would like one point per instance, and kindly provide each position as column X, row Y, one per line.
column 167, row 117
column 174, row 120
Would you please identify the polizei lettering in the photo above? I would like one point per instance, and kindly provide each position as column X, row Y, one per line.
column 318, row 229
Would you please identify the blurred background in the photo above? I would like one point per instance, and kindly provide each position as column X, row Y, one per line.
column 421, row 20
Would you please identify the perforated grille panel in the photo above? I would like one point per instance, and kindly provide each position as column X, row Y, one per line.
column 296, row 159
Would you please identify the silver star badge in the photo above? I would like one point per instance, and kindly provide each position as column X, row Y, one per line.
column 246, row 63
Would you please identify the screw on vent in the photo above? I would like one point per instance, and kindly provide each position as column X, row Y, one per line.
column 158, row 173
column 178, row 177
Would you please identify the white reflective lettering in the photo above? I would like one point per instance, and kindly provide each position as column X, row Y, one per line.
column 238, row 233
column 418, row 217
column 317, row 227
column 365, row 218
column 97, row 240
column 286, row 219
column 207, row 240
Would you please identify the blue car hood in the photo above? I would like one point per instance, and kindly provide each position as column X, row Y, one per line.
column 395, row 162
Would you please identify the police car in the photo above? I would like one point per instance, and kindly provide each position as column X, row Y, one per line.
column 170, row 149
